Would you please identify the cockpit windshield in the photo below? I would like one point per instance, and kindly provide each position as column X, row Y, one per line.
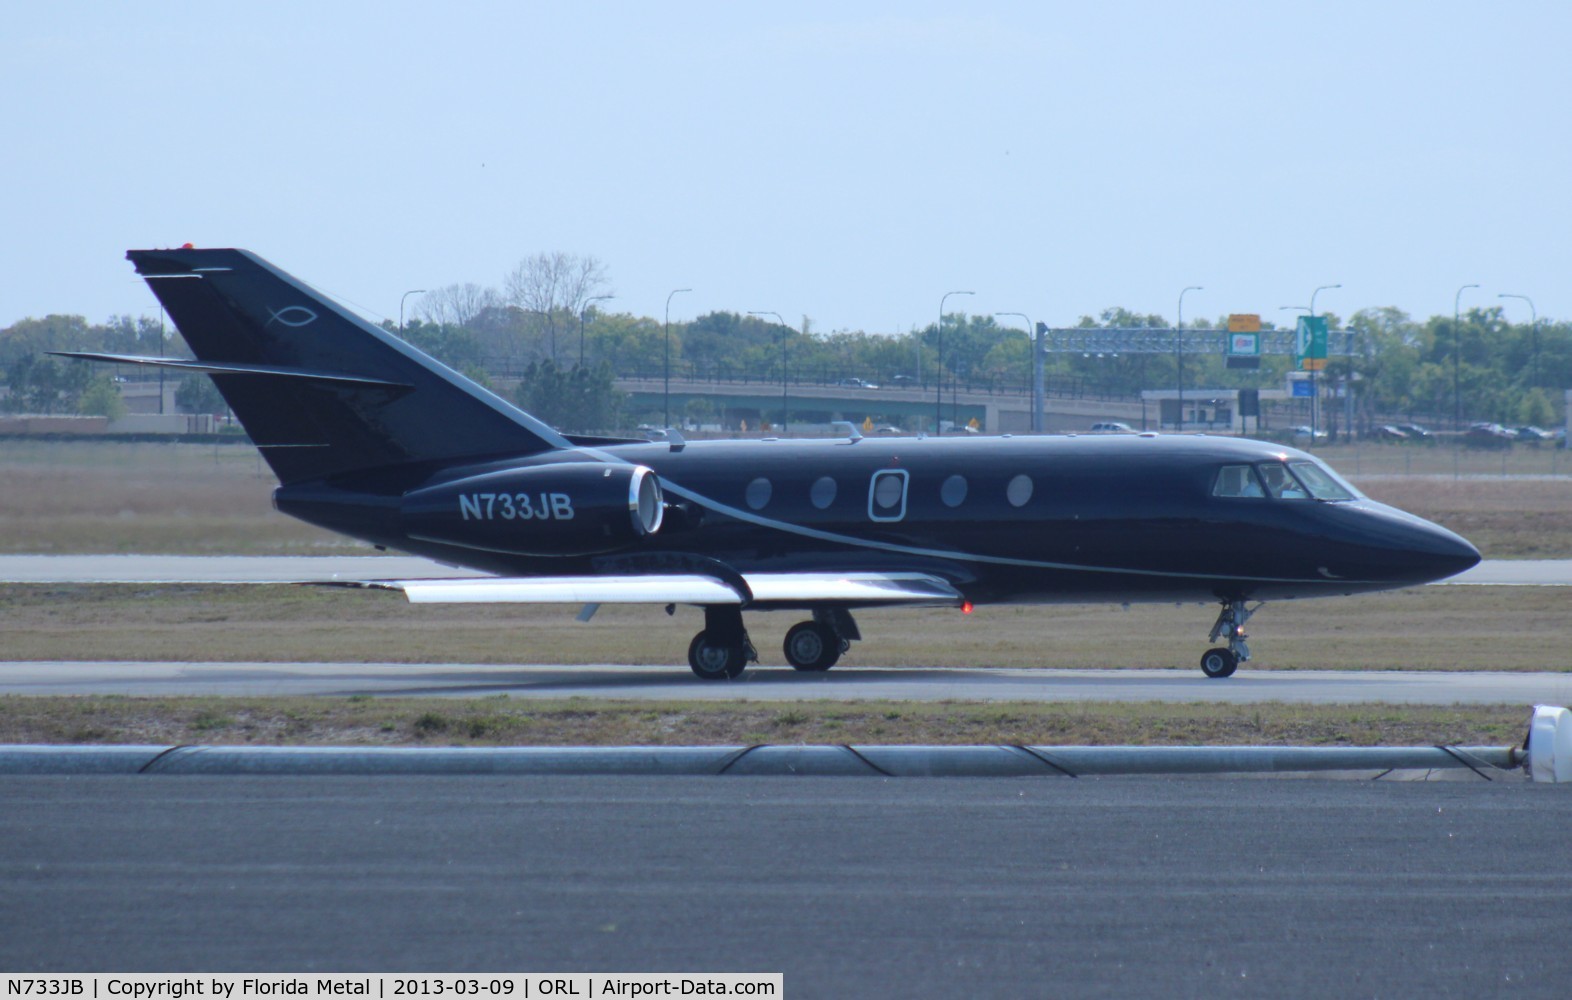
column 1323, row 483
column 1299, row 480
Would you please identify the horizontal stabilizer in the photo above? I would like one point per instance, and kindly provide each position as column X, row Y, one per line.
column 767, row 588
column 231, row 368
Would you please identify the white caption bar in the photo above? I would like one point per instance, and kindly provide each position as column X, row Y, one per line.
column 384, row 986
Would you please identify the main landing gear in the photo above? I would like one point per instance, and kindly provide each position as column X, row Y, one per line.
column 722, row 651
column 1222, row 661
column 815, row 646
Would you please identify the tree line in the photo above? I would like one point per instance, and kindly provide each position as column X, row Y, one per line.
column 549, row 335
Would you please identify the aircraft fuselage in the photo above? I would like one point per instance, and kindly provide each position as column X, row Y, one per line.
column 1004, row 519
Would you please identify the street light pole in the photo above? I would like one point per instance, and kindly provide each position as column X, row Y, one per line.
column 412, row 291
column 786, row 328
column 1457, row 364
column 1179, row 354
column 1033, row 337
column 587, row 303
column 160, row 354
column 938, row 376
column 1306, row 311
column 1315, row 390
column 668, row 353
column 1533, row 329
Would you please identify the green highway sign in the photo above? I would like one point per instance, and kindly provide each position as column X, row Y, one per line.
column 1310, row 344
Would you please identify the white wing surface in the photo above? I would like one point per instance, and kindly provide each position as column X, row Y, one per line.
column 763, row 588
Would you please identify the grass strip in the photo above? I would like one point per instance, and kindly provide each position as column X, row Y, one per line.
column 505, row 721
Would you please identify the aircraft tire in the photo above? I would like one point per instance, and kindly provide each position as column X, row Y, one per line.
column 812, row 646
column 1219, row 663
column 716, row 663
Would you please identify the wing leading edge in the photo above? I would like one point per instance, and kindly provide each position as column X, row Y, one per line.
column 909, row 589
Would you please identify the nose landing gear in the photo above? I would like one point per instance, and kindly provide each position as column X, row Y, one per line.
column 1222, row 661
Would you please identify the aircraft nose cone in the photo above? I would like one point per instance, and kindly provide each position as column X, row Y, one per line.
column 1449, row 553
column 1432, row 552
column 1413, row 550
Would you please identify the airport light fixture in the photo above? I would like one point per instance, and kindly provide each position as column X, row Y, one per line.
column 667, row 394
column 1533, row 328
column 1037, row 370
column 587, row 303
column 938, row 377
column 1318, row 291
column 784, row 327
column 1457, row 362
column 412, row 291
column 1179, row 353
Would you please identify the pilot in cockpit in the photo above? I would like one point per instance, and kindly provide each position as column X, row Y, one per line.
column 1281, row 483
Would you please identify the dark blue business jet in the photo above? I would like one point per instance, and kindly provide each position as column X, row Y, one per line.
column 372, row 438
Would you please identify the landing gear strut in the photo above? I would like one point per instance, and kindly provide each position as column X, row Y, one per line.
column 722, row 651
column 816, row 646
column 1224, row 660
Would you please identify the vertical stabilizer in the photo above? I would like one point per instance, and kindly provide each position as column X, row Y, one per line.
column 327, row 392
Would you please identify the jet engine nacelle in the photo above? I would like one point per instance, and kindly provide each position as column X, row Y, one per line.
column 564, row 509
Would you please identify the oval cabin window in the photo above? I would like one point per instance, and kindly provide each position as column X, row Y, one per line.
column 953, row 492
column 1019, row 491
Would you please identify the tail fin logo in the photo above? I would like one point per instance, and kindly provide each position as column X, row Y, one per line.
column 292, row 316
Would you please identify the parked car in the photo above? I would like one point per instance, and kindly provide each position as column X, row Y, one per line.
column 1532, row 433
column 1113, row 427
column 1303, row 433
column 1415, row 432
column 856, row 383
column 903, row 382
column 1484, row 435
column 1388, row 432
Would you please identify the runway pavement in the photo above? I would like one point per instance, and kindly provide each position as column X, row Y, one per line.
column 660, row 683
column 850, row 887
column 217, row 569
column 307, row 569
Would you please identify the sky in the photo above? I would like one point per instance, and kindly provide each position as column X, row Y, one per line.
column 847, row 162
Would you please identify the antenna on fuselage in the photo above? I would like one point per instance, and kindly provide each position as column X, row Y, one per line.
column 850, row 429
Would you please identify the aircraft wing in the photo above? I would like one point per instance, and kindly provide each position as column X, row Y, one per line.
column 761, row 588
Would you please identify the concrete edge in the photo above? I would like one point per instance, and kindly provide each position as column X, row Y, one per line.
column 885, row 761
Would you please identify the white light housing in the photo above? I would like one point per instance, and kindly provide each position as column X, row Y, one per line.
column 1550, row 744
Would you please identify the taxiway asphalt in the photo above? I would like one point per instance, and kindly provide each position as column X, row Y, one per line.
column 851, row 887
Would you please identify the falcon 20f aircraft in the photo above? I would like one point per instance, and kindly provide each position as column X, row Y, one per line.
column 372, row 438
